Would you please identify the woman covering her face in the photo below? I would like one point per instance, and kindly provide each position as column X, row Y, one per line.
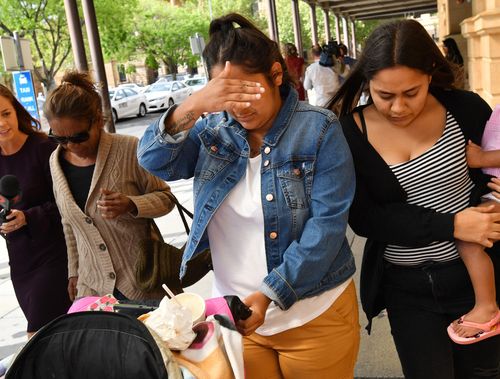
column 414, row 202
column 273, row 182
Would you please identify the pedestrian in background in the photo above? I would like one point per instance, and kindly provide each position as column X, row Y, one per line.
column 32, row 230
column 413, row 198
column 296, row 67
column 107, row 201
column 273, row 182
column 322, row 79
column 452, row 53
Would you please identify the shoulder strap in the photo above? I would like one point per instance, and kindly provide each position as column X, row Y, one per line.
column 363, row 123
column 182, row 212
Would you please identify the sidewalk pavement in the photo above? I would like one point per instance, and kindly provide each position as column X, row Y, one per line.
column 377, row 357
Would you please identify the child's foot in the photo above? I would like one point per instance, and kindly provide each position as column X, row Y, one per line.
column 478, row 315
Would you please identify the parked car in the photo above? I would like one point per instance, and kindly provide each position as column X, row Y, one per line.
column 196, row 83
column 163, row 95
column 125, row 102
column 136, row 87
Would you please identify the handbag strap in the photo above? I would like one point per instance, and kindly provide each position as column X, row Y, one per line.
column 182, row 212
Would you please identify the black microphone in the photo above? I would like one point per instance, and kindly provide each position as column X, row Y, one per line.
column 10, row 194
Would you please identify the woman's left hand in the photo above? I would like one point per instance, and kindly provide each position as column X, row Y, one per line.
column 113, row 204
column 15, row 221
column 258, row 303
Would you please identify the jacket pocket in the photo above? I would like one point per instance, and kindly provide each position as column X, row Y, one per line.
column 295, row 178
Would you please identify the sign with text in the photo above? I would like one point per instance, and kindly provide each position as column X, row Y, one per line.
column 25, row 92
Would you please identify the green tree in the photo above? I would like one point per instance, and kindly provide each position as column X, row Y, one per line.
column 163, row 31
column 44, row 23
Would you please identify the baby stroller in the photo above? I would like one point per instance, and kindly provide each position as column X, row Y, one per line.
column 88, row 345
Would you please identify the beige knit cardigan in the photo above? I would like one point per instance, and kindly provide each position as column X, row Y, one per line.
column 102, row 252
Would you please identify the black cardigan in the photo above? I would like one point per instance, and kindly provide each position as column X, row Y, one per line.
column 380, row 211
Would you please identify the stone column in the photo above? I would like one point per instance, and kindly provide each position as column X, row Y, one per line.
column 326, row 21
column 482, row 32
column 337, row 28
column 314, row 24
column 296, row 26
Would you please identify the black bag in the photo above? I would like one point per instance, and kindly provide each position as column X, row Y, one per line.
column 159, row 262
column 93, row 345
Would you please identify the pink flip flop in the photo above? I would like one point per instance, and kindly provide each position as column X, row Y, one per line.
column 487, row 330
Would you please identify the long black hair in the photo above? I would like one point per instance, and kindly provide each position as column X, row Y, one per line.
column 234, row 38
column 402, row 42
column 453, row 53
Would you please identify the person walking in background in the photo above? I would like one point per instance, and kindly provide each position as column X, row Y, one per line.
column 32, row 230
column 273, row 182
column 321, row 79
column 106, row 200
column 413, row 198
column 345, row 58
column 296, row 67
column 453, row 55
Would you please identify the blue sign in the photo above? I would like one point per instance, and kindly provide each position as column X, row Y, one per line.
column 25, row 92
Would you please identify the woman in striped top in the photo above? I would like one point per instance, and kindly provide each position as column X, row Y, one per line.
column 413, row 199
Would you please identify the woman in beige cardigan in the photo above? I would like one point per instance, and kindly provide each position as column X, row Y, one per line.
column 105, row 198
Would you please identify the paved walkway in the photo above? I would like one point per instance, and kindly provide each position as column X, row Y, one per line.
column 377, row 357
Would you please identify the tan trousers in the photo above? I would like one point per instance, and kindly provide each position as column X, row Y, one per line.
column 326, row 347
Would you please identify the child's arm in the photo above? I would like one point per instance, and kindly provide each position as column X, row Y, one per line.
column 478, row 158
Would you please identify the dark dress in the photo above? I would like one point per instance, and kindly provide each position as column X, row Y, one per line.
column 37, row 251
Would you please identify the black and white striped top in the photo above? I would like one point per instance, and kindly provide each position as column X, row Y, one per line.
column 437, row 179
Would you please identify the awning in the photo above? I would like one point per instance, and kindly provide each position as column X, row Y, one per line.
column 376, row 9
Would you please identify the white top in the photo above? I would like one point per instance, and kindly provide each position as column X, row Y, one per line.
column 323, row 80
column 236, row 234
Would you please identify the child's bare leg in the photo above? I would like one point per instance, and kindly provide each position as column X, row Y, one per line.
column 482, row 276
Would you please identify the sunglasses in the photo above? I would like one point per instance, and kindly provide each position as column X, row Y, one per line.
column 75, row 138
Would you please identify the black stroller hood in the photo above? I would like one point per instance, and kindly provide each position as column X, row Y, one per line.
column 90, row 345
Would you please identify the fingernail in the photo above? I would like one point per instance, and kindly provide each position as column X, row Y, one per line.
column 258, row 96
column 247, row 104
column 258, row 84
column 262, row 89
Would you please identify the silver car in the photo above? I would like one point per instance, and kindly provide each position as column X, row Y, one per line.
column 125, row 102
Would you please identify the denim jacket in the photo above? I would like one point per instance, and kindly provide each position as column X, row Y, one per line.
column 307, row 186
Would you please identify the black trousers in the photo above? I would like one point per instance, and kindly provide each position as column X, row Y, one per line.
column 421, row 302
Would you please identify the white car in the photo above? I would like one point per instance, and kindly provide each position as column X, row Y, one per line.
column 163, row 95
column 196, row 83
column 126, row 102
column 137, row 88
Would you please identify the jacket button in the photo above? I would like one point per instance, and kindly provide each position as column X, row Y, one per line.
column 269, row 197
column 102, row 246
column 214, row 148
column 273, row 235
column 112, row 275
column 266, row 163
column 267, row 150
column 88, row 220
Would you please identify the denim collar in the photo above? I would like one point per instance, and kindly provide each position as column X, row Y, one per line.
column 290, row 101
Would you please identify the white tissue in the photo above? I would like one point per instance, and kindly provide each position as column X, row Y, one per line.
column 172, row 324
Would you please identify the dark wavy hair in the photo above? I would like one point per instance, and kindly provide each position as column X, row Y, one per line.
column 402, row 42
column 76, row 97
column 453, row 54
column 27, row 124
column 234, row 38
